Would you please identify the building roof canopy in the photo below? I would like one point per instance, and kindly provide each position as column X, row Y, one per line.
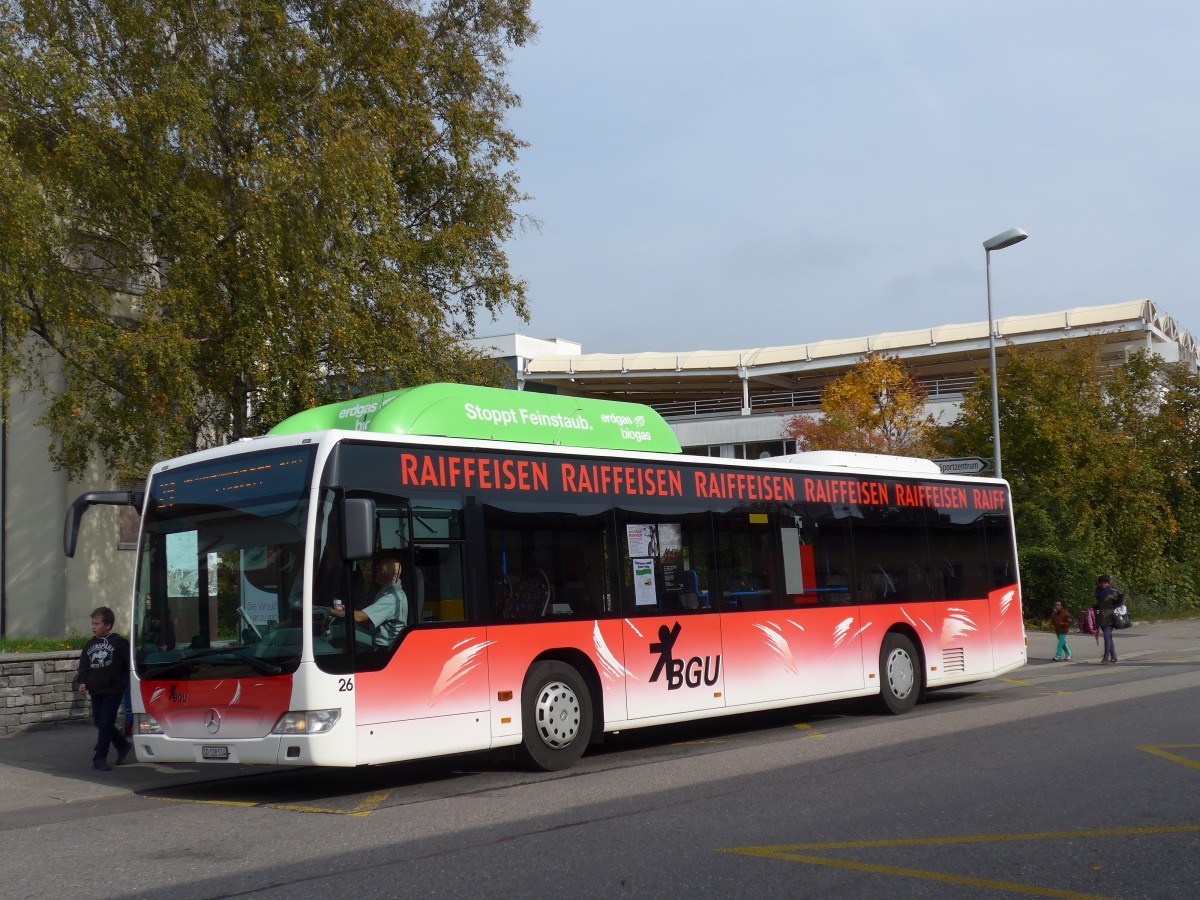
column 662, row 377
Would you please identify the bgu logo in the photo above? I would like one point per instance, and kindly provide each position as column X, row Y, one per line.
column 693, row 673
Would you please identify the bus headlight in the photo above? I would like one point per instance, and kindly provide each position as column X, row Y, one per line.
column 146, row 724
column 313, row 721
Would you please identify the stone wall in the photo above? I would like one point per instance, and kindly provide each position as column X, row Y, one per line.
column 36, row 691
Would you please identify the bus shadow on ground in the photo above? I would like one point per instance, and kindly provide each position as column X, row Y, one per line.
column 350, row 791
column 338, row 789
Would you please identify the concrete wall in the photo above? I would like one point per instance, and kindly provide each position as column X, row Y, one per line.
column 36, row 691
column 46, row 594
column 729, row 429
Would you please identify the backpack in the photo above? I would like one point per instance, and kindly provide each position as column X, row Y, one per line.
column 1087, row 621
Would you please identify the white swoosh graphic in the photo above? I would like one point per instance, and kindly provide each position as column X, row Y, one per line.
column 610, row 666
column 457, row 668
column 778, row 645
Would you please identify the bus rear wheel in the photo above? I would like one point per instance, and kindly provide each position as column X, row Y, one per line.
column 899, row 675
column 556, row 711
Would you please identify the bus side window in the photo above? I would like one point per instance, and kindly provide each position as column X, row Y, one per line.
column 889, row 548
column 960, row 565
column 825, row 534
column 545, row 565
column 747, row 558
column 438, row 593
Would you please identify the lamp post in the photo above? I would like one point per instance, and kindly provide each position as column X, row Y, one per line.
column 999, row 242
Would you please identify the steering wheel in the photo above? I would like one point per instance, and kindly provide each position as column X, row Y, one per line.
column 322, row 620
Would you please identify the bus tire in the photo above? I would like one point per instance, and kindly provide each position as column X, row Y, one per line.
column 900, row 681
column 556, row 715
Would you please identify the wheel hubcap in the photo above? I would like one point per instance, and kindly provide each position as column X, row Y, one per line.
column 900, row 673
column 557, row 714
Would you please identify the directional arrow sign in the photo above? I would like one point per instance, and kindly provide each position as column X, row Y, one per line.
column 966, row 465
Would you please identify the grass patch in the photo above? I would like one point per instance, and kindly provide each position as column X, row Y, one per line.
column 42, row 645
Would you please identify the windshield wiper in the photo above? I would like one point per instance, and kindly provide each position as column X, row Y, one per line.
column 242, row 656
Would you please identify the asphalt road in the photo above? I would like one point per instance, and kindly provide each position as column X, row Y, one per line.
column 1062, row 780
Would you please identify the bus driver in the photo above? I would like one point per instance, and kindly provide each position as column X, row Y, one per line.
column 381, row 620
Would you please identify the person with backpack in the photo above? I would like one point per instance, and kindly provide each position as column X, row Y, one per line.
column 1061, row 620
column 1107, row 600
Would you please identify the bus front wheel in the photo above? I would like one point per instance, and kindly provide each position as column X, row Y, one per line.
column 556, row 710
column 899, row 675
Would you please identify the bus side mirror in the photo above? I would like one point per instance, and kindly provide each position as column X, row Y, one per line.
column 358, row 528
column 94, row 498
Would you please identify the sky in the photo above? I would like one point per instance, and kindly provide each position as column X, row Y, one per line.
column 715, row 176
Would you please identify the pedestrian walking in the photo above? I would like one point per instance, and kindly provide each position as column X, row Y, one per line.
column 104, row 674
column 1107, row 600
column 1061, row 620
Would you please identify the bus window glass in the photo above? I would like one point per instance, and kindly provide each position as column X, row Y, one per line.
column 345, row 637
column 826, row 560
column 889, row 552
column 546, row 566
column 220, row 572
column 959, row 564
column 747, row 560
column 437, row 586
column 424, row 534
column 434, row 580
column 667, row 563
column 1000, row 555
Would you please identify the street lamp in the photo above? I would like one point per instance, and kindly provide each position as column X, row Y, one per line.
column 999, row 242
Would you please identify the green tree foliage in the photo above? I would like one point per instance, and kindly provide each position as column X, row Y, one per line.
column 218, row 212
column 1103, row 464
column 876, row 407
column 1158, row 405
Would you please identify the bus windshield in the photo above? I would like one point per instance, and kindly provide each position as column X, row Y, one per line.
column 221, row 567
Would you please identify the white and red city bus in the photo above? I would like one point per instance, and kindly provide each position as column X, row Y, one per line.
column 566, row 572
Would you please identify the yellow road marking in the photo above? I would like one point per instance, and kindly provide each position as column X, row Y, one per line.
column 986, row 838
column 919, row 873
column 365, row 808
column 800, row 726
column 1019, row 683
column 371, row 804
column 799, row 853
column 1159, row 750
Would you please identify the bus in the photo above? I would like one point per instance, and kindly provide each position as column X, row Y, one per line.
column 554, row 569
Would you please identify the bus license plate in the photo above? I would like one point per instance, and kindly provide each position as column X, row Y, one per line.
column 214, row 753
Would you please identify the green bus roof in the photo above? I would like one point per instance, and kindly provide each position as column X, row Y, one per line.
column 494, row 414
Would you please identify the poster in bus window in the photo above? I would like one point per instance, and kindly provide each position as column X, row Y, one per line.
column 670, row 556
column 262, row 570
column 643, row 540
column 183, row 566
column 644, row 593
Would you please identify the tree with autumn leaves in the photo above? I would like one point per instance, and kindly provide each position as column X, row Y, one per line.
column 1104, row 462
column 219, row 212
column 876, row 407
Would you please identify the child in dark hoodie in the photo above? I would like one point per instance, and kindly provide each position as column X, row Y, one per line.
column 104, row 673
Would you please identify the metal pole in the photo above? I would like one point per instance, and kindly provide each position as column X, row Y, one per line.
column 992, row 355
